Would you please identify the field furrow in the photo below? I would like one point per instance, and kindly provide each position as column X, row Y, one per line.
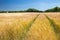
column 41, row 30
column 55, row 23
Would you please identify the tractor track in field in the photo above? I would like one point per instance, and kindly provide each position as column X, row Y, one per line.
column 28, row 27
column 41, row 29
column 54, row 26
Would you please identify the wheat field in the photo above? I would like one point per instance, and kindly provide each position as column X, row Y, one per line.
column 30, row 26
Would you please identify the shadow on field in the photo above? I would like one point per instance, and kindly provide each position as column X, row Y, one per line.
column 55, row 27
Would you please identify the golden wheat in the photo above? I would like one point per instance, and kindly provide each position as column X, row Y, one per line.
column 23, row 28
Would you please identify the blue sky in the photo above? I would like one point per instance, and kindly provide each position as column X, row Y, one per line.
column 7, row 5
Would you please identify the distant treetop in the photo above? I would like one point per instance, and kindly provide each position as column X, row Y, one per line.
column 55, row 9
column 32, row 10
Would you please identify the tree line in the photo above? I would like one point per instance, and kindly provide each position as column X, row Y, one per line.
column 55, row 9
